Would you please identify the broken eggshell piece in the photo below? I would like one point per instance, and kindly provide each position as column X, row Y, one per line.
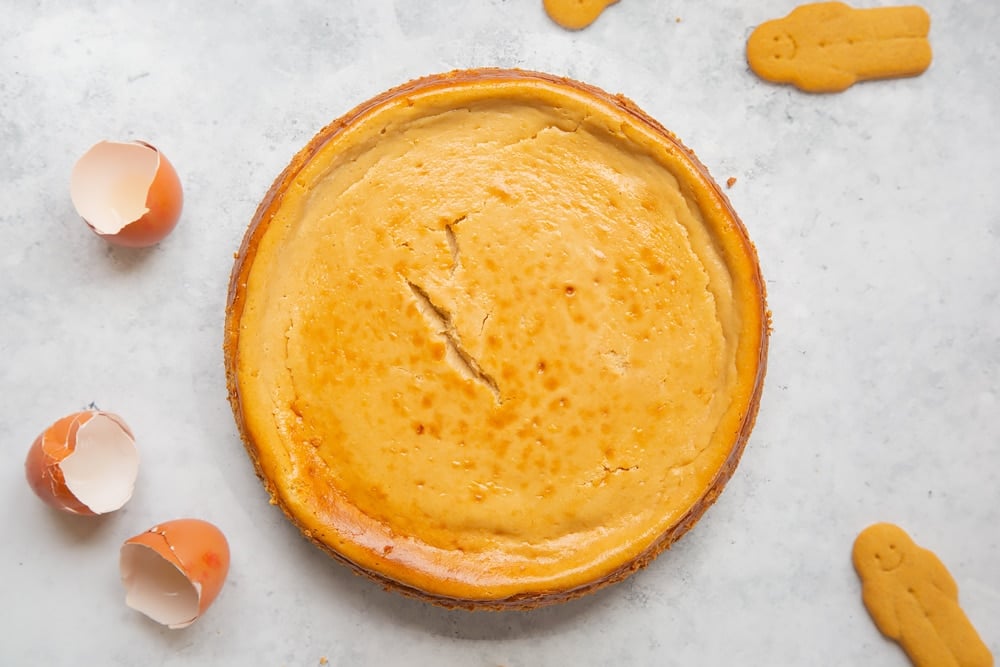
column 173, row 571
column 85, row 463
column 127, row 192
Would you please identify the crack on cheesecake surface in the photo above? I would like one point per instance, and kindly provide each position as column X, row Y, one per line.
column 457, row 356
column 293, row 403
column 449, row 234
column 607, row 471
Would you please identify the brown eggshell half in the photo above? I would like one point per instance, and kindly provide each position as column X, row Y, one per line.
column 175, row 570
column 85, row 463
column 127, row 192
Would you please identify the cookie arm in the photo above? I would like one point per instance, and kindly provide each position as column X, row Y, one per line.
column 817, row 13
column 939, row 574
column 880, row 602
column 822, row 79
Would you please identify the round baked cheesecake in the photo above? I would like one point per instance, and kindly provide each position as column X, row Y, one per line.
column 495, row 339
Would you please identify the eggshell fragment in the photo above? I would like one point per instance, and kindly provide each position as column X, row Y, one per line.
column 85, row 463
column 127, row 192
column 174, row 570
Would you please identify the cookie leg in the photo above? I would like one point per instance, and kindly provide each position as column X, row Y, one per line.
column 883, row 59
column 963, row 642
column 918, row 636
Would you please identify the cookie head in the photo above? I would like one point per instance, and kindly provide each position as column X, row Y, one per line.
column 772, row 49
column 881, row 548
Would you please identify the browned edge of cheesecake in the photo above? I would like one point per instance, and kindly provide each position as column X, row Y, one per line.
column 272, row 201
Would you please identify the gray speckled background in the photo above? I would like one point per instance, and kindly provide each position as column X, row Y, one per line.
column 875, row 213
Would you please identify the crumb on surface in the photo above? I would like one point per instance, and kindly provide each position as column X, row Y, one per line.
column 731, row 181
column 677, row 20
column 323, row 660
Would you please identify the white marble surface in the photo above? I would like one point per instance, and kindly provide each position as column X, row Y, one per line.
column 875, row 213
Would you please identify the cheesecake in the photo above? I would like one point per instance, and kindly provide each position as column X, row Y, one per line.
column 495, row 339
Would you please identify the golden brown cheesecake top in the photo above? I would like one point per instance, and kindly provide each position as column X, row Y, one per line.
column 496, row 339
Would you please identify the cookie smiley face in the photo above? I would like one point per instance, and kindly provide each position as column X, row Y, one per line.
column 881, row 548
column 889, row 558
column 775, row 50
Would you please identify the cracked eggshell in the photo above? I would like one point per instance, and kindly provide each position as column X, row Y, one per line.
column 85, row 463
column 127, row 192
column 173, row 571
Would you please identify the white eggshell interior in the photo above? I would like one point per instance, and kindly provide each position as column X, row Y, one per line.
column 110, row 183
column 157, row 588
column 102, row 469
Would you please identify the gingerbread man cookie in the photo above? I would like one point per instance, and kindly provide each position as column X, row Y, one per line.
column 913, row 600
column 826, row 47
column 576, row 14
